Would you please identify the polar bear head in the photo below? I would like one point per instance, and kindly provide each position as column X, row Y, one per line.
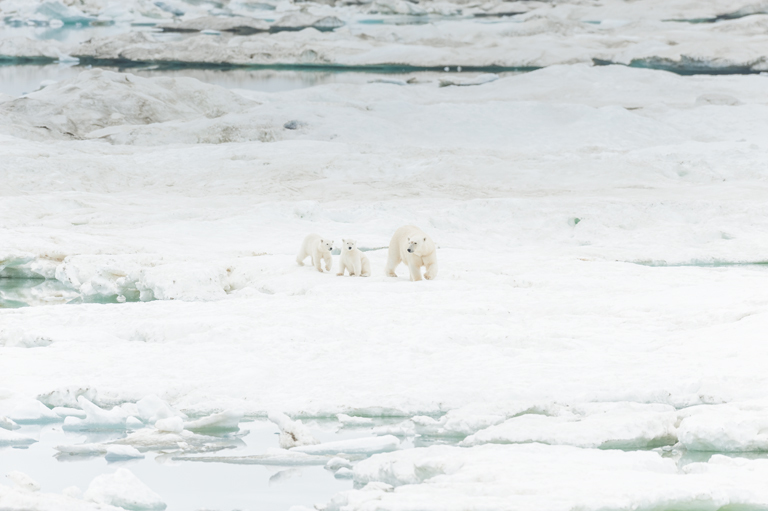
column 348, row 245
column 417, row 244
column 326, row 245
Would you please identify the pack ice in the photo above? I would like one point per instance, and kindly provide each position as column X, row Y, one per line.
column 595, row 339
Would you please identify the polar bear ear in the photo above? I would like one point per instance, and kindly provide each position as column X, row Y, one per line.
column 425, row 238
column 321, row 241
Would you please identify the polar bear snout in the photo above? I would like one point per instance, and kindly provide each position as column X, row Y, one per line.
column 410, row 250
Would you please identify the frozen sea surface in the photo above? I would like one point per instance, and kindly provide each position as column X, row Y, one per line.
column 595, row 336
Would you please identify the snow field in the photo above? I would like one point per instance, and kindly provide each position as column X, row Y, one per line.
column 558, row 331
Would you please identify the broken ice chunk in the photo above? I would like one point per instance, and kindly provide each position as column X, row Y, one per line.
column 292, row 433
column 369, row 445
column 123, row 489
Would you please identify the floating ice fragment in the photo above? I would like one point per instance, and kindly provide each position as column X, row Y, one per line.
column 67, row 397
column 225, row 421
column 6, row 423
column 23, row 481
column 122, row 452
column 464, row 82
column 123, row 489
column 133, row 423
column 348, row 420
column 151, row 409
column 273, row 457
column 344, row 473
column 170, row 425
column 96, row 418
column 82, row 449
column 292, row 433
column 368, row 445
column 336, row 463
column 11, row 438
column 63, row 412
column 28, row 411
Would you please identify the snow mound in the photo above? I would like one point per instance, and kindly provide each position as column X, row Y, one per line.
column 96, row 99
column 125, row 490
column 608, row 426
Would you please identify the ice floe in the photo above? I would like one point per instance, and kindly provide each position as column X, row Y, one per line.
column 292, row 433
column 614, row 426
column 521, row 476
column 354, row 446
column 125, row 490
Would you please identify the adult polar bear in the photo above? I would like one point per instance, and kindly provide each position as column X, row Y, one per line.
column 413, row 247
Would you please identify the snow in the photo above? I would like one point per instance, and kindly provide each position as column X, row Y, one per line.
column 123, row 489
column 521, row 477
column 595, row 334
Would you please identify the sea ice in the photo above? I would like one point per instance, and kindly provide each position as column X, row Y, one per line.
column 96, row 418
column 23, row 481
column 521, row 477
column 11, row 438
column 125, row 490
column 609, row 425
column 292, row 433
column 353, row 446
column 223, row 421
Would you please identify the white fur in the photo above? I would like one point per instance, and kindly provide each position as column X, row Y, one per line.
column 423, row 253
column 319, row 249
column 353, row 260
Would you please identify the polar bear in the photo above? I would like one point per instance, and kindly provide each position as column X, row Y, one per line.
column 319, row 249
column 414, row 248
column 353, row 260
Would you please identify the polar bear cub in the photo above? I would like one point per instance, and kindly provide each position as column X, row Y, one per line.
column 353, row 260
column 413, row 247
column 319, row 249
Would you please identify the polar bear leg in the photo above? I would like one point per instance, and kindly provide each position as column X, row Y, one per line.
column 356, row 267
column 365, row 267
column 302, row 255
column 317, row 259
column 393, row 259
column 431, row 272
column 415, row 270
column 328, row 261
column 342, row 267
